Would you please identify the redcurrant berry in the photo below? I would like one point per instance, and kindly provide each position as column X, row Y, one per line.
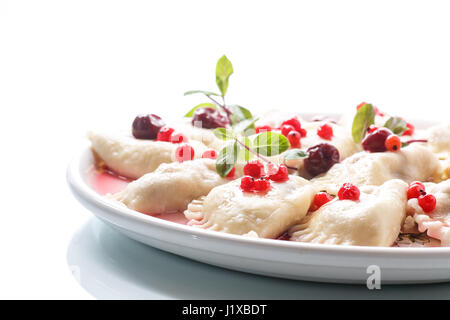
column 178, row 138
column 427, row 202
column 262, row 184
column 325, row 131
column 285, row 129
column 184, row 153
column 254, row 169
column 294, row 139
column 410, row 130
column 293, row 122
column 348, row 192
column 231, row 174
column 247, row 183
column 165, row 133
column 263, row 129
column 393, row 143
column 282, row 174
column 415, row 190
column 320, row 199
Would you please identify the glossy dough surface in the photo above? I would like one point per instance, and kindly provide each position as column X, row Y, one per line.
column 228, row 209
column 171, row 187
column 374, row 220
column 411, row 163
column 133, row 158
column 437, row 222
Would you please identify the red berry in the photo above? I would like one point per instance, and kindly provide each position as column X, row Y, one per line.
column 415, row 190
column 375, row 109
column 262, row 184
column 360, row 105
column 393, row 143
column 165, row 133
column 184, row 153
column 231, row 174
column 410, row 130
column 211, row 154
column 419, row 183
column 178, row 138
column 348, row 192
column 293, row 122
column 303, row 132
column 281, row 174
column 320, row 199
column 427, row 202
column 325, row 131
column 372, row 128
column 294, row 139
column 254, row 169
column 285, row 129
column 247, row 183
column 263, row 129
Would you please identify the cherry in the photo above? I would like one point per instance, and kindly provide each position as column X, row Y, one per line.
column 427, row 202
column 147, row 126
column 410, row 130
column 294, row 139
column 375, row 141
column 165, row 133
column 293, row 122
column 281, row 174
column 254, row 169
column 319, row 200
column 211, row 154
column 348, row 192
column 178, row 138
column 415, row 190
column 263, row 129
column 247, row 183
column 209, row 118
column 231, row 174
column 325, row 131
column 262, row 184
column 393, row 143
column 285, row 129
column 184, row 153
column 321, row 158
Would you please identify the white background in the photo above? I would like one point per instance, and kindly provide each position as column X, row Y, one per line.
column 67, row 66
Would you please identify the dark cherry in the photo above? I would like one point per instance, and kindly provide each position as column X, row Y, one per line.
column 209, row 118
column 147, row 126
column 375, row 141
column 321, row 158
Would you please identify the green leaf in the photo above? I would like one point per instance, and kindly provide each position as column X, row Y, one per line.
column 223, row 133
column 396, row 125
column 245, row 154
column 226, row 159
column 364, row 117
column 224, row 70
column 295, row 154
column 271, row 143
column 239, row 113
column 201, row 105
column 207, row 93
column 245, row 127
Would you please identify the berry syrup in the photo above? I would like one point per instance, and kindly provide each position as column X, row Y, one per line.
column 104, row 181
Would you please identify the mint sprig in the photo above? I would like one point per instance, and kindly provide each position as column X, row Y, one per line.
column 396, row 125
column 365, row 116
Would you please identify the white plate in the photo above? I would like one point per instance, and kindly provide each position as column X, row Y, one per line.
column 284, row 259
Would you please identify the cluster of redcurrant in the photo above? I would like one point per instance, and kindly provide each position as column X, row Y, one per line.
column 290, row 128
column 347, row 192
column 427, row 202
column 257, row 180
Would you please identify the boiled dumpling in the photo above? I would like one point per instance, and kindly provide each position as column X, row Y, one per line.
column 437, row 222
column 132, row 157
column 374, row 220
column 228, row 209
column 171, row 187
column 414, row 162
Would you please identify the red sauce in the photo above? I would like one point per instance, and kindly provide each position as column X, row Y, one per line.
column 105, row 181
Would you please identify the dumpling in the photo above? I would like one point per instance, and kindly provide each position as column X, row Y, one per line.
column 414, row 162
column 228, row 209
column 439, row 141
column 171, row 187
column 374, row 220
column 132, row 157
column 437, row 222
column 205, row 136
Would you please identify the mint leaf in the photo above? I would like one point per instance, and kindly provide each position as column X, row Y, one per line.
column 226, row 159
column 364, row 117
column 239, row 113
column 245, row 154
column 201, row 105
column 208, row 93
column 295, row 154
column 396, row 125
column 224, row 70
column 245, row 127
column 223, row 134
column 271, row 143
